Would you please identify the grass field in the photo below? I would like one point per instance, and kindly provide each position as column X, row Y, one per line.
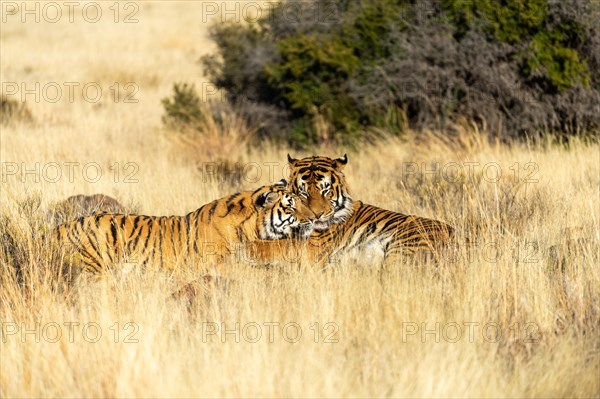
column 516, row 314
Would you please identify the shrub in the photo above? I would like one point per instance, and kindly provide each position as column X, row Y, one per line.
column 311, row 78
column 183, row 108
column 359, row 65
column 548, row 49
column 13, row 111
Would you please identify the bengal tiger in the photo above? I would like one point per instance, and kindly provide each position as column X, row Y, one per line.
column 343, row 224
column 211, row 233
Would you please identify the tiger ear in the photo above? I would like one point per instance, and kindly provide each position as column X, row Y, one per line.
column 267, row 200
column 281, row 183
column 341, row 162
column 291, row 160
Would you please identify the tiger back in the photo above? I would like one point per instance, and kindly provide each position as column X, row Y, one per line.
column 210, row 234
column 374, row 231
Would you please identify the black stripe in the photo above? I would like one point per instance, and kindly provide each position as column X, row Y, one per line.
column 212, row 209
column 368, row 231
column 175, row 233
column 389, row 223
column 145, row 246
column 230, row 207
column 137, row 232
column 231, row 198
column 113, row 231
column 136, row 221
column 94, row 244
column 271, row 220
column 108, row 250
column 190, row 218
column 240, row 204
column 239, row 233
column 161, row 231
column 256, row 191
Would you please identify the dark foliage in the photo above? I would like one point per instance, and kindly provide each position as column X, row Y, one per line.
column 183, row 109
column 13, row 111
column 515, row 68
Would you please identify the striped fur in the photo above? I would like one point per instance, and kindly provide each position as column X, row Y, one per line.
column 344, row 224
column 209, row 234
column 375, row 230
column 319, row 181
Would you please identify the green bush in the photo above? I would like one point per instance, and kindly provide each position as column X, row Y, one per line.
column 183, row 108
column 559, row 65
column 13, row 111
column 516, row 67
column 547, row 51
column 311, row 75
column 509, row 21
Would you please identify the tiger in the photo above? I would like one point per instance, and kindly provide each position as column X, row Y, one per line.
column 212, row 233
column 343, row 225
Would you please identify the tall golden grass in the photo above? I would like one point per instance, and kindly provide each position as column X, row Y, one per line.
column 516, row 314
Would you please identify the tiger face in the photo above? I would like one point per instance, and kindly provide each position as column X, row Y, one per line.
column 283, row 214
column 320, row 183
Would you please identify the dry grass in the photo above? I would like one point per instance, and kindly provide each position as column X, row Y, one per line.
column 529, row 274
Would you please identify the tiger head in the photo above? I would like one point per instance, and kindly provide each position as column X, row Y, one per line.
column 320, row 183
column 282, row 214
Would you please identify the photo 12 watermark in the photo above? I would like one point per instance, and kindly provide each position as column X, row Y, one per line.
column 71, row 331
column 449, row 172
column 468, row 331
column 249, row 172
column 470, row 171
column 69, row 171
column 53, row 12
column 270, row 331
column 293, row 11
column 55, row 92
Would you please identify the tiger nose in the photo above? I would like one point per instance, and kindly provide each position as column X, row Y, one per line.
column 319, row 214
